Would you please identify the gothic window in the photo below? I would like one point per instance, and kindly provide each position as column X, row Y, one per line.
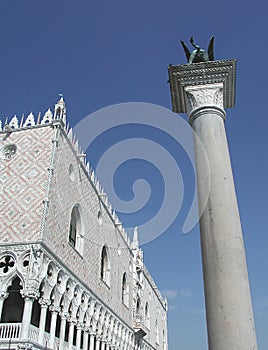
column 105, row 265
column 125, row 290
column 76, row 238
column 138, row 310
column 147, row 315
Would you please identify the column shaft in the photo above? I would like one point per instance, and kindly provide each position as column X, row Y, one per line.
column 85, row 340
column 78, row 338
column 71, row 335
column 26, row 319
column 42, row 323
column 92, row 341
column 52, row 328
column 62, row 330
column 228, row 303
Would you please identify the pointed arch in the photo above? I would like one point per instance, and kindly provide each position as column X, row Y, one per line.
column 125, row 290
column 105, row 265
column 76, row 229
column 13, row 305
column 147, row 315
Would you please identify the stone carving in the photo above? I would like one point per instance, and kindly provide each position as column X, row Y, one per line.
column 204, row 95
column 199, row 55
column 8, row 151
column 7, row 264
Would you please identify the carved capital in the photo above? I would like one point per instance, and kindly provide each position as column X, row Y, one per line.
column 54, row 308
column 44, row 302
column 30, row 294
column 208, row 95
column 64, row 315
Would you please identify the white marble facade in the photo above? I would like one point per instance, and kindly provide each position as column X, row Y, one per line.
column 69, row 276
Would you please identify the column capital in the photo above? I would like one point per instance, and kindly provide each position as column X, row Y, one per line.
column 54, row 308
column 203, row 73
column 30, row 294
column 205, row 95
column 44, row 302
column 64, row 315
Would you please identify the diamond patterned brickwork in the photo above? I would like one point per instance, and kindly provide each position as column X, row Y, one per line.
column 65, row 192
column 22, row 183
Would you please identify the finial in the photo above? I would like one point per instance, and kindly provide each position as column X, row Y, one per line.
column 60, row 110
column 135, row 242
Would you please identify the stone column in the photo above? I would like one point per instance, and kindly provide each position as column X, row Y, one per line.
column 92, row 341
column 71, row 335
column 97, row 345
column 3, row 296
column 54, row 312
column 203, row 90
column 29, row 297
column 44, row 303
column 63, row 319
column 103, row 344
column 85, row 338
column 78, row 336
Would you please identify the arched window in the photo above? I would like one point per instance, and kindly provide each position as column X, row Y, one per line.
column 138, row 310
column 105, row 265
column 125, row 290
column 147, row 315
column 76, row 237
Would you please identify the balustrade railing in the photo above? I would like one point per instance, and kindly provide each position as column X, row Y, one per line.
column 9, row 330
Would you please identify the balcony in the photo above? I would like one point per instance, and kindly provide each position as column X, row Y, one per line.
column 139, row 327
column 10, row 338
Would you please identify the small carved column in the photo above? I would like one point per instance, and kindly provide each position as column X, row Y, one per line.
column 78, row 336
column 63, row 318
column 97, row 344
column 54, row 312
column 71, row 334
column 29, row 297
column 103, row 344
column 3, row 296
column 92, row 341
column 85, row 338
column 44, row 303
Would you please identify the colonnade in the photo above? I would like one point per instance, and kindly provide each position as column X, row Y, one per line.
column 67, row 316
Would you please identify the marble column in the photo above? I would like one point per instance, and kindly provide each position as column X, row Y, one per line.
column 71, row 335
column 54, row 313
column 203, row 90
column 29, row 297
column 78, row 336
column 44, row 303
column 97, row 344
column 3, row 296
column 63, row 320
column 92, row 341
column 85, row 338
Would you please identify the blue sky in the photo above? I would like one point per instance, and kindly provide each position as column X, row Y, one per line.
column 107, row 52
